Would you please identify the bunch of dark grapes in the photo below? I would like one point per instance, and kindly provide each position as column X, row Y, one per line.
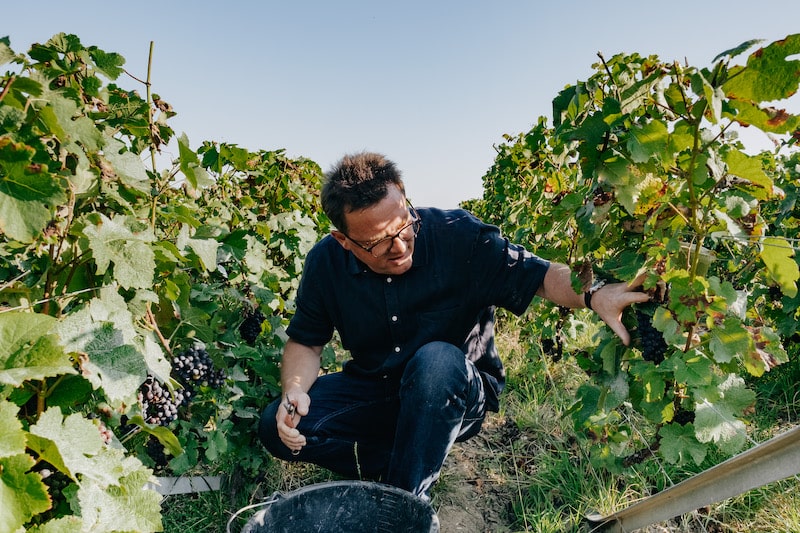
column 155, row 450
column 683, row 417
column 55, row 480
column 194, row 367
column 159, row 405
column 652, row 341
column 250, row 328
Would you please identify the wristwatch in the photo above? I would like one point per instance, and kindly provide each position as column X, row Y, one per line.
column 587, row 296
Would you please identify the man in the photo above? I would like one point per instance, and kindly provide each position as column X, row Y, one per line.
column 412, row 295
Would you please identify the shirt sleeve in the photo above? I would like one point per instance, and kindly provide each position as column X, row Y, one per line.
column 311, row 324
column 508, row 275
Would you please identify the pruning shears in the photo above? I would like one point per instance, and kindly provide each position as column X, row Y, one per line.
column 291, row 410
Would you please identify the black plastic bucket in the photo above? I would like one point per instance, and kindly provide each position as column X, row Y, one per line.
column 344, row 507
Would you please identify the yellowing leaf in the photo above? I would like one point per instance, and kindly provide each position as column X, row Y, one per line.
column 778, row 257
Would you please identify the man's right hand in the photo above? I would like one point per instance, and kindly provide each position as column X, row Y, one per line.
column 294, row 406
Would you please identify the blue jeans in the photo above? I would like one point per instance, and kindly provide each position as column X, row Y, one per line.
column 395, row 431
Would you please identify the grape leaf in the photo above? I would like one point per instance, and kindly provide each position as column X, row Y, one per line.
column 12, row 438
column 648, row 141
column 104, row 331
column 127, row 506
column 768, row 75
column 133, row 259
column 28, row 193
column 28, row 350
column 74, row 446
column 65, row 524
column 750, row 169
column 730, row 340
column 196, row 176
column 205, row 249
column 79, row 131
column 778, row 257
column 109, row 64
column 678, row 443
column 691, row 368
column 127, row 165
column 717, row 422
column 22, row 493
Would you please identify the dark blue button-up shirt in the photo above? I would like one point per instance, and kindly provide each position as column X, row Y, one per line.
column 462, row 269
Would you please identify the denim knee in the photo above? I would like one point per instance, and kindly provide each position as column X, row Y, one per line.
column 437, row 367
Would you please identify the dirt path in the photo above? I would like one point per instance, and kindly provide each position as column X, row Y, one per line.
column 475, row 493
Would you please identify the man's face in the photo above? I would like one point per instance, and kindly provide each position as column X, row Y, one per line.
column 371, row 225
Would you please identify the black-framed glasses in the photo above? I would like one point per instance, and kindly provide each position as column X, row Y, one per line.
column 383, row 246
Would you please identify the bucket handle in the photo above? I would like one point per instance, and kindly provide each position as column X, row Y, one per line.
column 274, row 498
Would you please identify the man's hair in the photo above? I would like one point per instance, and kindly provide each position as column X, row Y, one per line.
column 356, row 182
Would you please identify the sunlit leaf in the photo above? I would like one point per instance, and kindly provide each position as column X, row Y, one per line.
column 12, row 438
column 133, row 258
column 28, row 350
column 22, row 493
column 768, row 75
column 778, row 257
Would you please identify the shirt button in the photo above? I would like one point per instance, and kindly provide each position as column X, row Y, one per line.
column 397, row 349
column 388, row 280
column 394, row 318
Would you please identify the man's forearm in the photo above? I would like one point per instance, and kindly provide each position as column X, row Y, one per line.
column 299, row 366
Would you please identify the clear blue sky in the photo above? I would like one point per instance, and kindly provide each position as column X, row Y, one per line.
column 432, row 84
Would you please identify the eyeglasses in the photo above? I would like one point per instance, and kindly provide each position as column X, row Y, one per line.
column 383, row 246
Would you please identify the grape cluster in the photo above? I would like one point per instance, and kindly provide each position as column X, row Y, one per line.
column 683, row 417
column 250, row 328
column 194, row 367
column 159, row 405
column 55, row 480
column 106, row 434
column 652, row 341
column 155, row 450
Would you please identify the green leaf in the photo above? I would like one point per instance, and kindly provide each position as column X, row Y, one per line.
column 126, row 506
column 110, row 64
column 65, row 524
column 127, row 165
column 77, row 128
column 22, row 493
column 769, row 119
column 28, row 350
column 768, row 75
column 205, row 249
column 678, row 444
column 691, row 368
column 730, row 340
column 750, row 169
column 104, row 331
column 164, row 435
column 12, row 438
column 617, row 172
column 28, row 193
column 717, row 422
column 778, row 257
column 733, row 52
column 112, row 242
column 196, row 176
column 650, row 140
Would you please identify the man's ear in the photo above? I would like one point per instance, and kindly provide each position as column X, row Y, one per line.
column 340, row 238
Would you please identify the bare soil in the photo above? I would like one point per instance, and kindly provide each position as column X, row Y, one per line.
column 476, row 493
